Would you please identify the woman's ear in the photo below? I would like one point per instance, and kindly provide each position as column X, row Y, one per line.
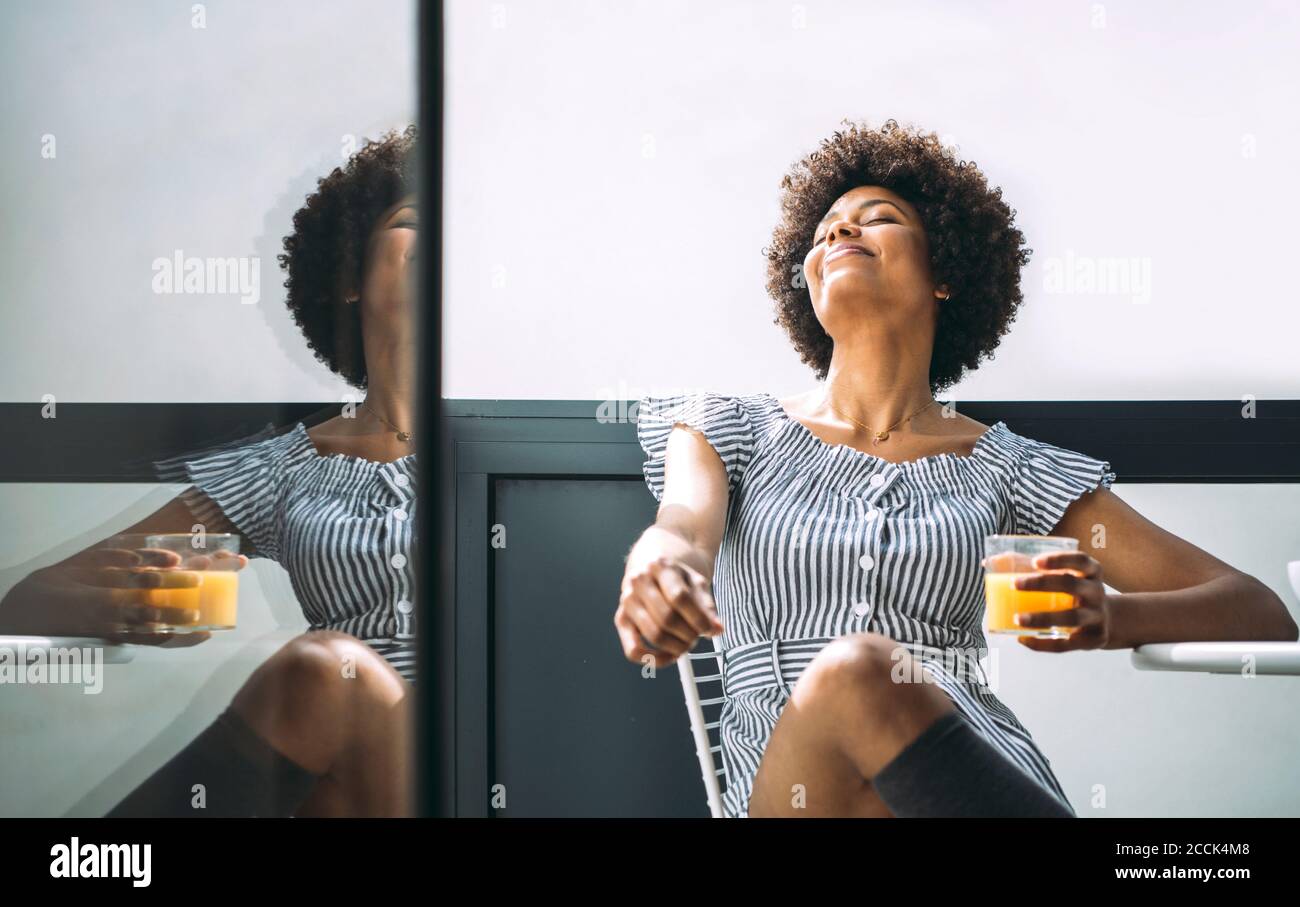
column 350, row 292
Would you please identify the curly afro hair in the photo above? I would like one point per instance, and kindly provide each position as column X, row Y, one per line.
column 975, row 247
column 325, row 254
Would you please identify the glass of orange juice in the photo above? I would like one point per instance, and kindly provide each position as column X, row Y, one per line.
column 1008, row 557
column 217, row 594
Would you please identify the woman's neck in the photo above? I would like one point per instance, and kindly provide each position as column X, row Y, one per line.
column 878, row 388
column 390, row 383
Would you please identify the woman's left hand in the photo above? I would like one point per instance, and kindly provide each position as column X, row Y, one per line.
column 1080, row 575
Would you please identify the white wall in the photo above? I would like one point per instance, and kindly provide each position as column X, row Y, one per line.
column 1165, row 133
column 172, row 137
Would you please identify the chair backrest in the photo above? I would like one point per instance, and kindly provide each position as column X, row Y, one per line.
column 701, row 726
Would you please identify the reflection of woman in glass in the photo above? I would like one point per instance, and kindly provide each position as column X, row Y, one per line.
column 322, row 727
column 842, row 528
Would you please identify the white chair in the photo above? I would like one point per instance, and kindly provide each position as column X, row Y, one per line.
column 700, row 725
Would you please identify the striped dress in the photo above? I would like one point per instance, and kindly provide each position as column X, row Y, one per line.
column 341, row 526
column 824, row 540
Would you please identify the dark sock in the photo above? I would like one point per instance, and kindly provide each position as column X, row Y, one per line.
column 950, row 770
column 242, row 775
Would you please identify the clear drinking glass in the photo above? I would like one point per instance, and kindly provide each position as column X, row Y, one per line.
column 1007, row 557
column 219, row 586
column 214, row 599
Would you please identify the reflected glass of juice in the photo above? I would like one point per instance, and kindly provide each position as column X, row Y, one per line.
column 217, row 595
column 1007, row 557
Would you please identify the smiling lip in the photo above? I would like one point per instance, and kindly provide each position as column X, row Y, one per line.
column 844, row 250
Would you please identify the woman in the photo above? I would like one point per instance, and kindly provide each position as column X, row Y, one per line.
column 322, row 727
column 842, row 528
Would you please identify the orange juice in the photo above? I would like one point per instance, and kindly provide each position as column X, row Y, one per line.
column 216, row 600
column 1003, row 601
column 187, row 598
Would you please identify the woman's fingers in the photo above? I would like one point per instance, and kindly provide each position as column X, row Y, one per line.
column 666, row 606
column 1087, row 565
column 635, row 645
column 670, row 625
column 1052, row 644
column 124, row 609
column 137, row 578
column 216, row 560
column 1069, row 617
column 658, row 623
column 633, row 649
column 129, row 598
column 664, row 646
column 682, row 593
column 158, row 557
column 1054, row 582
column 228, row 560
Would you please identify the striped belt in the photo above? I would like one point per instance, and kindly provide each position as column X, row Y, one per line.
column 778, row 663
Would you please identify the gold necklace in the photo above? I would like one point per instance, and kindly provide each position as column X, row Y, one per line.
column 401, row 435
column 878, row 436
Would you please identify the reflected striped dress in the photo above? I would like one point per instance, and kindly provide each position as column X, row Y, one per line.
column 824, row 540
column 341, row 526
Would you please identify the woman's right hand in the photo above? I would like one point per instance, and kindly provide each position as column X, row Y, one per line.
column 105, row 593
column 665, row 606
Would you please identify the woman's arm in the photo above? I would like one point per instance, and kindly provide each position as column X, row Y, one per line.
column 665, row 596
column 1172, row 591
column 692, row 515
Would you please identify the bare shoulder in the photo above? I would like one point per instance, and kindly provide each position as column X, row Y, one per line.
column 350, row 437
column 330, row 429
column 796, row 403
column 962, row 426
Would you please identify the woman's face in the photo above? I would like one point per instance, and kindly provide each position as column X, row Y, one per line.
column 388, row 280
column 870, row 260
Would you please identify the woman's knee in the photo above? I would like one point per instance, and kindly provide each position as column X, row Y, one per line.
column 861, row 670
column 328, row 671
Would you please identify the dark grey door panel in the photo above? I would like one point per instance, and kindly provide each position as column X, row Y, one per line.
column 576, row 729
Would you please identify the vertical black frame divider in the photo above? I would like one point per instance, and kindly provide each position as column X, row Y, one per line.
column 435, row 737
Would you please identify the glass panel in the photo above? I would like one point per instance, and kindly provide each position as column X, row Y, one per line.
column 211, row 208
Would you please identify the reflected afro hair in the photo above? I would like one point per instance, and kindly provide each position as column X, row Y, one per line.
column 325, row 254
column 975, row 247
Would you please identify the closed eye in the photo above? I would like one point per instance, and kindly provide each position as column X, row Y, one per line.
column 874, row 220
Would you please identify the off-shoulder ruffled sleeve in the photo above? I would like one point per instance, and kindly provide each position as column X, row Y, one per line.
column 1046, row 479
column 244, row 481
column 723, row 420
